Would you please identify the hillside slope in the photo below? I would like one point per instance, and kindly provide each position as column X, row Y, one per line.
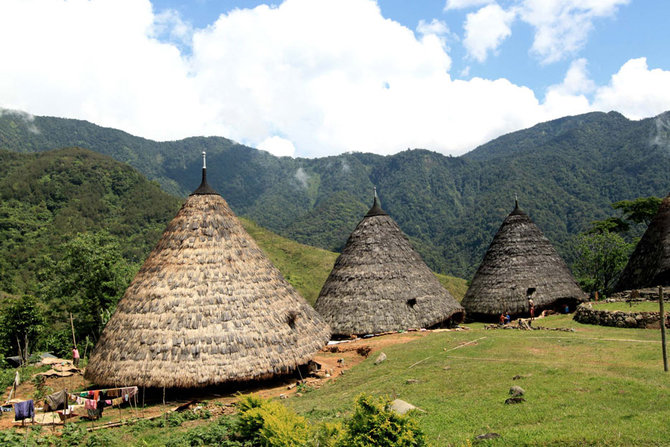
column 565, row 172
column 48, row 198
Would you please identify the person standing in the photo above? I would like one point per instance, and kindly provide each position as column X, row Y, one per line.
column 75, row 357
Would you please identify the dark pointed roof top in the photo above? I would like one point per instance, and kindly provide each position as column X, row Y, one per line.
column 376, row 209
column 204, row 188
column 517, row 211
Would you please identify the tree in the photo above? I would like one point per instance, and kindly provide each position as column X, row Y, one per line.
column 88, row 280
column 640, row 210
column 611, row 224
column 21, row 323
column 600, row 259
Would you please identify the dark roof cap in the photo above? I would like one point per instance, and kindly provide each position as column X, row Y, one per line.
column 204, row 188
column 517, row 210
column 376, row 209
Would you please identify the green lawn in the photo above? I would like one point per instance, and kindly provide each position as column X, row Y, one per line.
column 596, row 386
column 642, row 306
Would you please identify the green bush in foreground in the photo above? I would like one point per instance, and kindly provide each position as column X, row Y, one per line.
column 268, row 423
column 375, row 424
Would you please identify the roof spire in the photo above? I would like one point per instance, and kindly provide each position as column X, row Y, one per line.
column 376, row 209
column 204, row 188
column 516, row 209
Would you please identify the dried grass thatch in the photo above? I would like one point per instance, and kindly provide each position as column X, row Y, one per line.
column 649, row 265
column 379, row 284
column 207, row 307
column 520, row 262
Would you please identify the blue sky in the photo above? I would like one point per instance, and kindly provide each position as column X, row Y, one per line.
column 320, row 77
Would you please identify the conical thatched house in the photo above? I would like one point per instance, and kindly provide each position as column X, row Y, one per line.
column 206, row 307
column 649, row 265
column 379, row 284
column 520, row 263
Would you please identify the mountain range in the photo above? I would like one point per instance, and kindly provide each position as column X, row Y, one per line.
column 565, row 173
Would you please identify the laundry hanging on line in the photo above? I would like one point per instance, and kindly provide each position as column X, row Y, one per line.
column 24, row 410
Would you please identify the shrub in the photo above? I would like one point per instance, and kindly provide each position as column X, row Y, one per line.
column 328, row 434
column 269, row 423
column 218, row 433
column 375, row 424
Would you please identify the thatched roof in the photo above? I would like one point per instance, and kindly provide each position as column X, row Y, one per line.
column 206, row 307
column 519, row 261
column 649, row 265
column 379, row 284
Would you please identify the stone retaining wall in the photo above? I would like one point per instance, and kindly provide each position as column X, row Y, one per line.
column 586, row 314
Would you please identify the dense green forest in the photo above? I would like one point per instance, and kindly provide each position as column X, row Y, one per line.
column 566, row 174
column 48, row 198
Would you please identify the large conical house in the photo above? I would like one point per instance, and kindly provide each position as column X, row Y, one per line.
column 520, row 263
column 379, row 284
column 649, row 265
column 207, row 307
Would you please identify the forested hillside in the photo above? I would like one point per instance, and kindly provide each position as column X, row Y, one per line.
column 48, row 198
column 566, row 174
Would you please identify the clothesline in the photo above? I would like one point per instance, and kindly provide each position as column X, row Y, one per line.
column 109, row 392
column 98, row 399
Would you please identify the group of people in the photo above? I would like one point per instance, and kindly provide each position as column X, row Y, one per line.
column 505, row 316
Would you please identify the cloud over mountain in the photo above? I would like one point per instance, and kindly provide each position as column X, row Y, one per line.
column 307, row 77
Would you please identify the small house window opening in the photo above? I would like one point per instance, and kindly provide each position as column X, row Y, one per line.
column 292, row 316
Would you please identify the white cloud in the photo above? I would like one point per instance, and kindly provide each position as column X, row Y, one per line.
column 636, row 91
column 96, row 60
column 562, row 26
column 278, row 146
column 168, row 25
column 302, row 177
column 570, row 96
column 308, row 78
column 463, row 4
column 486, row 29
column 435, row 29
column 576, row 80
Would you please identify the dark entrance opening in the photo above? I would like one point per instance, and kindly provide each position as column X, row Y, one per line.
column 290, row 319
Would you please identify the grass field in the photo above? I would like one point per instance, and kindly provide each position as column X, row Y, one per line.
column 456, row 286
column 642, row 306
column 595, row 386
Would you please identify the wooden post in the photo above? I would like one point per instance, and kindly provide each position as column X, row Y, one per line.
column 164, row 414
column 74, row 341
column 85, row 348
column 663, row 343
